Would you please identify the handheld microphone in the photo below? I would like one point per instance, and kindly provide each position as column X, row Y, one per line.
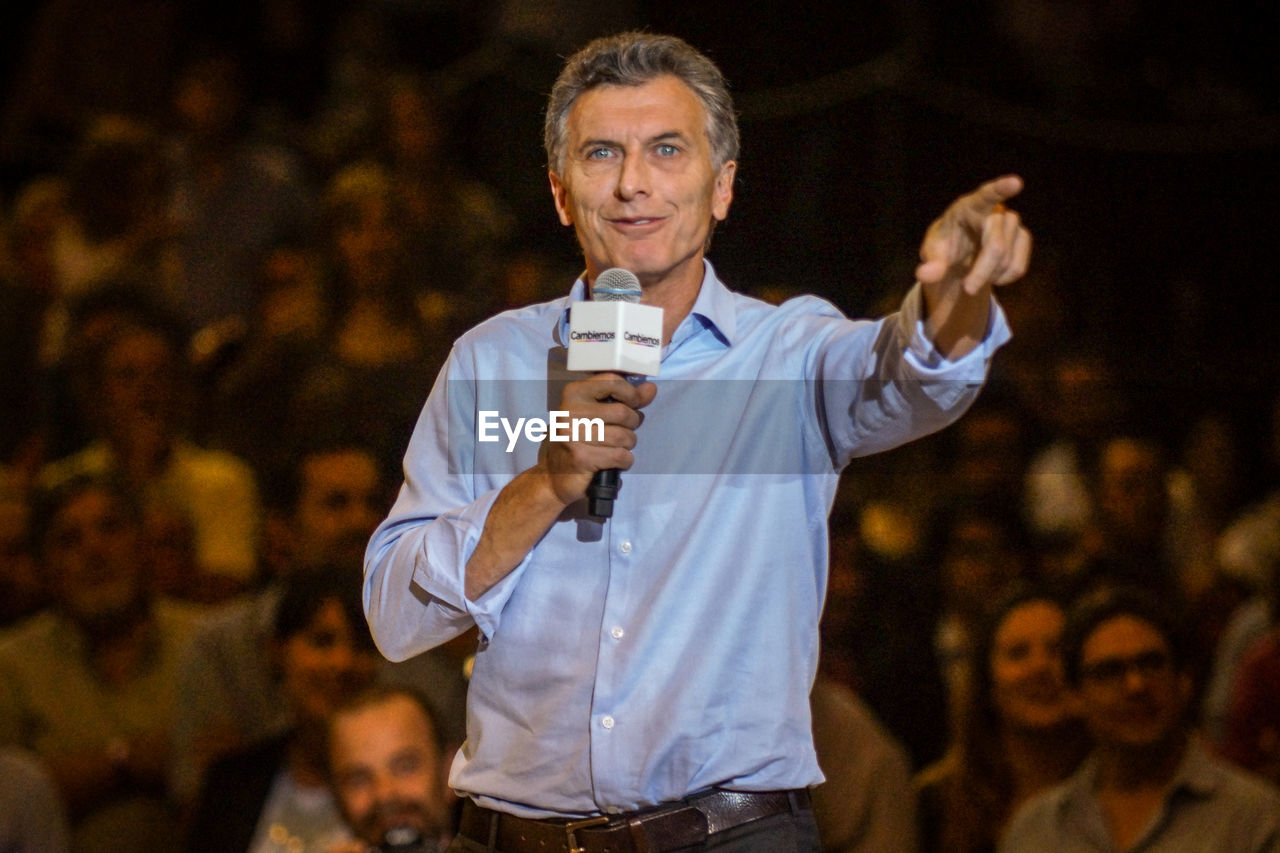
column 614, row 332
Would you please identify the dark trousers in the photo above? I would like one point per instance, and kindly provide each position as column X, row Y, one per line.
column 780, row 833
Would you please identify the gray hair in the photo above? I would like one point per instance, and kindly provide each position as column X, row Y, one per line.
column 633, row 59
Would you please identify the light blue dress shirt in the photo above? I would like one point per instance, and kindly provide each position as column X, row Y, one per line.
column 671, row 648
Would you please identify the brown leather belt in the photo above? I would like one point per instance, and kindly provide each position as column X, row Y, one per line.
column 663, row 828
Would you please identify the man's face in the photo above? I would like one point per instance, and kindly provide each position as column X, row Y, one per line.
column 1130, row 692
column 1132, row 496
column 387, row 770
column 339, row 506
column 138, row 382
column 638, row 184
column 93, row 555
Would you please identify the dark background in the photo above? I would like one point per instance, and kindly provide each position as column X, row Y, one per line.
column 1147, row 133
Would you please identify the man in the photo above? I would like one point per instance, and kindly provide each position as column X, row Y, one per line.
column 1149, row 785
column 88, row 686
column 386, row 765
column 667, row 652
column 325, row 511
column 134, row 391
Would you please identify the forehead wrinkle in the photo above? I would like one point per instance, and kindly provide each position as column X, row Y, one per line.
column 679, row 103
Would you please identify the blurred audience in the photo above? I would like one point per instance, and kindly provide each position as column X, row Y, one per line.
column 866, row 804
column 251, row 377
column 1126, row 542
column 1248, row 553
column 1082, row 408
column 116, row 227
column 83, row 59
column 380, row 355
column 1149, row 782
column 1250, row 734
column 879, row 595
column 455, row 226
column 88, row 685
column 389, row 769
column 323, row 513
column 219, row 173
column 134, row 395
column 24, row 590
column 1016, row 732
column 983, row 550
column 274, row 794
column 32, row 817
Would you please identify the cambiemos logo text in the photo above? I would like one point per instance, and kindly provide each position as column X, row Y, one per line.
column 592, row 336
column 642, row 340
column 558, row 427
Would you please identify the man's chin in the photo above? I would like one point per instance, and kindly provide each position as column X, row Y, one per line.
column 374, row 831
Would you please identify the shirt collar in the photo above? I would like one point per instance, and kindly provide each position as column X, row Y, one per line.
column 713, row 309
column 1197, row 774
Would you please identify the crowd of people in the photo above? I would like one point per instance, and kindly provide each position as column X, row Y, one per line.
column 216, row 334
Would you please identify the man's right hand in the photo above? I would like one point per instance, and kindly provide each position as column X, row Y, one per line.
column 528, row 505
column 611, row 398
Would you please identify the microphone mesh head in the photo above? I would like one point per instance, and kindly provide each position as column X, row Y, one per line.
column 616, row 285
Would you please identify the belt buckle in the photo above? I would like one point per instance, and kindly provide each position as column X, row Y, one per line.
column 574, row 825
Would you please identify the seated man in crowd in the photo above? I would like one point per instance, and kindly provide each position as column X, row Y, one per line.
column 133, row 393
column 330, row 503
column 1149, row 785
column 88, row 685
column 388, row 766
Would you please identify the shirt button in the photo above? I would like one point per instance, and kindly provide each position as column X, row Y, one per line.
column 616, row 633
column 626, row 547
column 607, row 722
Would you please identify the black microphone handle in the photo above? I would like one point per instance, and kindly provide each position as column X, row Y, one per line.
column 602, row 491
column 604, row 484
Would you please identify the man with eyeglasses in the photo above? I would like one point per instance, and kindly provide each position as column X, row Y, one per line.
column 1150, row 785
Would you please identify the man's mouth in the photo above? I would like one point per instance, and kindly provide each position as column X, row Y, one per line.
column 635, row 220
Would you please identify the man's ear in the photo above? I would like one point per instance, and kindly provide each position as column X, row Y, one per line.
column 722, row 193
column 560, row 195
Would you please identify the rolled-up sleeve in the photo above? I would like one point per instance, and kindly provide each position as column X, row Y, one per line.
column 884, row 383
column 415, row 565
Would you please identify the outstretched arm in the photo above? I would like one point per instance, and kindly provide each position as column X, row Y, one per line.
column 976, row 244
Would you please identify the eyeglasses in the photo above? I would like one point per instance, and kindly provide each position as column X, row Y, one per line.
column 1111, row 672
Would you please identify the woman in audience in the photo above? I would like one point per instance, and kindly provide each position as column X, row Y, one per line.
column 275, row 796
column 1016, row 735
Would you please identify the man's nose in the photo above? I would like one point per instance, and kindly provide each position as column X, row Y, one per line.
column 633, row 176
column 1046, row 660
column 384, row 788
column 1135, row 680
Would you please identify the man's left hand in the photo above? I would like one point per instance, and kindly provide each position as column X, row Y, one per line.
column 977, row 242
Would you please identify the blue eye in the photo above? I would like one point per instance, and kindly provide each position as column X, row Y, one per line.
column 667, row 150
column 599, row 153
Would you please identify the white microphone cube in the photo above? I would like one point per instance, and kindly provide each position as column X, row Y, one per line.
column 623, row 337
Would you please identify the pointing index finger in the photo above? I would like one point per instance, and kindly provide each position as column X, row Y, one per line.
column 977, row 205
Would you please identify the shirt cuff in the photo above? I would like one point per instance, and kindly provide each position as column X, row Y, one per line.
column 925, row 358
column 442, row 567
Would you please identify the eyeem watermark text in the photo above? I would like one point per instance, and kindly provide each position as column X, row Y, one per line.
column 558, row 427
